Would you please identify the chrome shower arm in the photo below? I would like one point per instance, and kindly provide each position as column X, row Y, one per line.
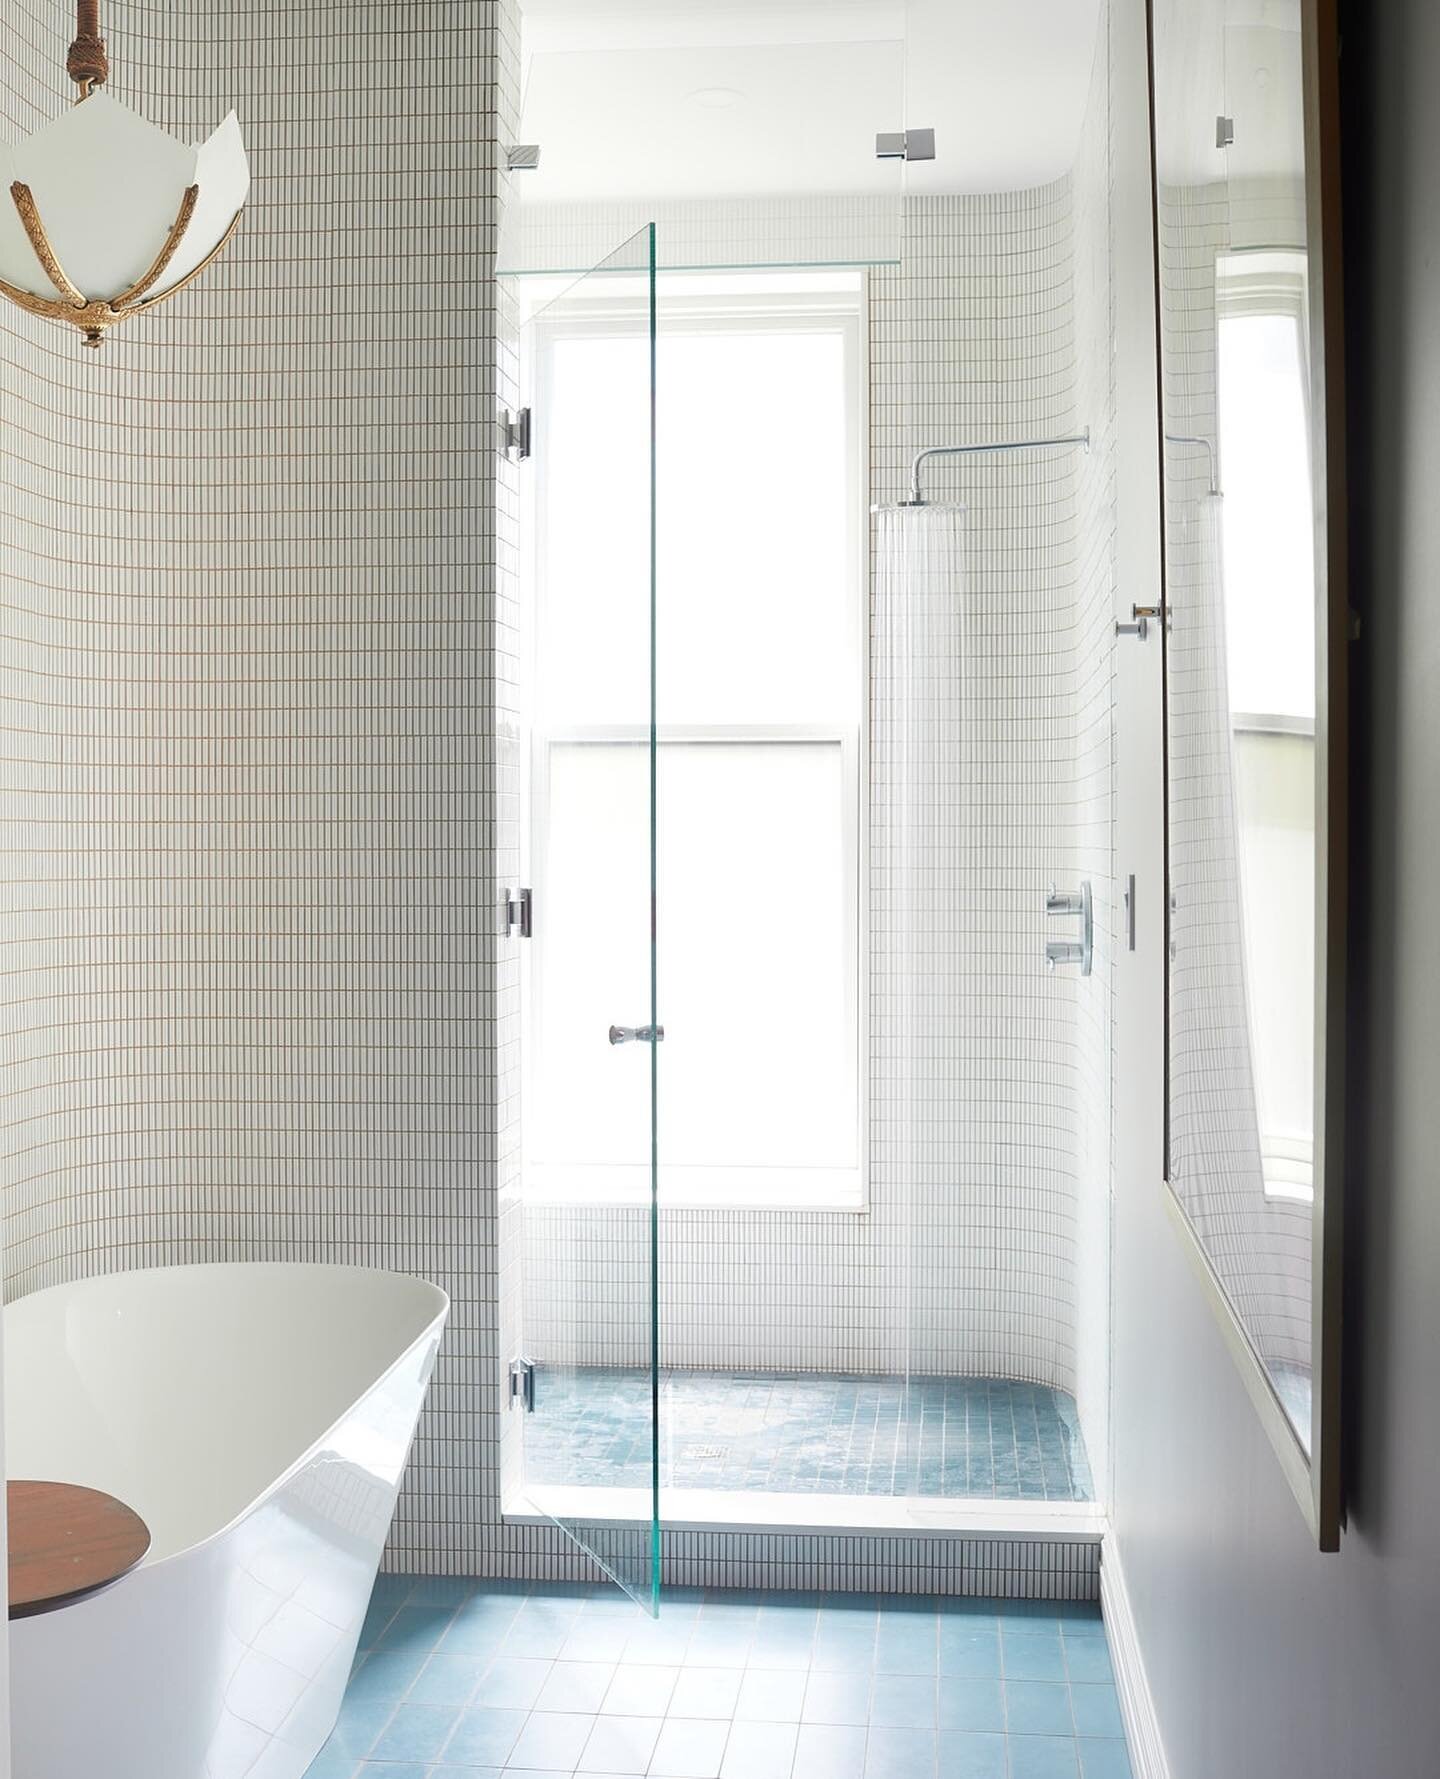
column 917, row 499
column 1208, row 445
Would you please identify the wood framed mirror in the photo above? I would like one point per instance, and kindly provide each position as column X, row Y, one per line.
column 1257, row 624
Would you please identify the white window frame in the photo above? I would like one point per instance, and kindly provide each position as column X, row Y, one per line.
column 779, row 1189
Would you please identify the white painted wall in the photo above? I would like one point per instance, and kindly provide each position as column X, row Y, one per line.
column 1266, row 1659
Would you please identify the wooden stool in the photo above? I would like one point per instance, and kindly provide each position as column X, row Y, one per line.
column 67, row 1542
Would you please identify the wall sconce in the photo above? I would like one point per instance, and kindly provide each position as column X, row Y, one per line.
column 108, row 215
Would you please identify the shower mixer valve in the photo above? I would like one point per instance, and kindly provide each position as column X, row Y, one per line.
column 1072, row 951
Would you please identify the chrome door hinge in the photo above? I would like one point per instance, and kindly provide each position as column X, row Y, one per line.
column 637, row 1034
column 515, row 434
column 905, row 145
column 519, row 912
column 522, row 1384
column 1130, row 911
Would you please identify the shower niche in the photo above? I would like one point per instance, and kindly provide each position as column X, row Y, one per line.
column 805, row 1166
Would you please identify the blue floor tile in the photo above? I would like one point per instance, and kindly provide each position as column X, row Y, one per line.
column 966, row 1653
column 907, row 1643
column 461, row 1685
column 837, row 1698
column 1103, row 1758
column 962, row 1755
column 770, row 1695
column 830, row 1751
column 900, row 1754
column 445, row 1680
column 512, row 1683
column 971, row 1705
column 1034, row 1656
column 361, row 1721
column 1088, row 1659
column 844, row 1649
column 387, row 1674
column 689, row 1748
column 416, row 1733
column 1037, row 1707
column 552, row 1741
column 483, row 1737
column 415, row 1627
column 333, row 1763
column 760, row 1751
column 1043, row 1757
column 1097, row 1710
column 903, row 1701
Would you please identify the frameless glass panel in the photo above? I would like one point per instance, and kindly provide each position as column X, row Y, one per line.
column 590, row 1047
column 750, row 131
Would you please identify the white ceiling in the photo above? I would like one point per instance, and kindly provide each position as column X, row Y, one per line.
column 633, row 99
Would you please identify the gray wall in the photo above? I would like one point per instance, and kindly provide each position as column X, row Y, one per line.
column 1264, row 1657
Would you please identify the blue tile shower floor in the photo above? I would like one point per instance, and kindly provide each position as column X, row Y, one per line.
column 809, row 1433
column 460, row 1680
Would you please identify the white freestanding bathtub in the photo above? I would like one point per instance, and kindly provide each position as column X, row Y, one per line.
column 258, row 1418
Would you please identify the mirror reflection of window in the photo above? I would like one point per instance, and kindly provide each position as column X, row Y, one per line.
column 1269, row 570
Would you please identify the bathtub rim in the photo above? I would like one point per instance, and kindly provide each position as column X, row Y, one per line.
column 432, row 1330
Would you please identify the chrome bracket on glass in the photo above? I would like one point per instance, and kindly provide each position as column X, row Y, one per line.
column 519, row 913
column 522, row 1384
column 905, row 145
column 515, row 434
column 637, row 1034
column 1072, row 951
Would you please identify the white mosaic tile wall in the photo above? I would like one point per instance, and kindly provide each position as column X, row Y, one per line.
column 250, row 557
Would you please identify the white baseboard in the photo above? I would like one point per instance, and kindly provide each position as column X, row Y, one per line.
column 1137, row 1705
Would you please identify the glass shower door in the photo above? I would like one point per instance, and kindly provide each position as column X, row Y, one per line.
column 593, row 1031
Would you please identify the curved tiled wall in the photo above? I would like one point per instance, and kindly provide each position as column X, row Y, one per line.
column 246, row 580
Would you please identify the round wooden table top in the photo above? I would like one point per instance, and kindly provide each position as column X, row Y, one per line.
column 65, row 1542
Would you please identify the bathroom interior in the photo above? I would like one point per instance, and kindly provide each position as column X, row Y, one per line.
column 634, row 800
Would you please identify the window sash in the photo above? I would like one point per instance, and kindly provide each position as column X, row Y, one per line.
column 738, row 1186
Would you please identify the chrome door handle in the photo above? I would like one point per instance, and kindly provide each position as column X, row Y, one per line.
column 636, row 1034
